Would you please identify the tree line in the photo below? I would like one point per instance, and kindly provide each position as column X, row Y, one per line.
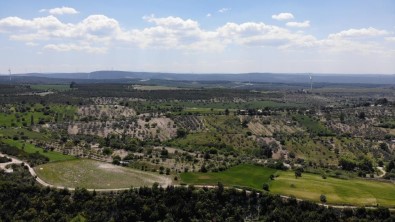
column 22, row 200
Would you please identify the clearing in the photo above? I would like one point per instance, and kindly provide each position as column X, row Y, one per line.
column 91, row 174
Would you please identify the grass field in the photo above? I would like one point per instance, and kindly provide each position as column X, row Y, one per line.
column 93, row 174
column 241, row 175
column 19, row 119
column 339, row 191
column 10, row 132
column 30, row 148
column 309, row 187
column 312, row 125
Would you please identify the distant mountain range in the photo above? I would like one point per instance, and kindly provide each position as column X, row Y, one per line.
column 244, row 77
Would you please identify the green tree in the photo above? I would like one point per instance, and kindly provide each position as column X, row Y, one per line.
column 181, row 133
column 323, row 198
column 298, row 173
column 390, row 166
column 227, row 111
column 265, row 186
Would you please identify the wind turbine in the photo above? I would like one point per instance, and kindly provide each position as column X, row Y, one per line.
column 311, row 82
column 9, row 71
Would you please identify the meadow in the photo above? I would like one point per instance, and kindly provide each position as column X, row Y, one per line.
column 359, row 192
column 241, row 175
column 37, row 112
column 91, row 174
column 30, row 148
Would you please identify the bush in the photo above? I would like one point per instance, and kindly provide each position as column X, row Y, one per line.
column 323, row 198
column 265, row 186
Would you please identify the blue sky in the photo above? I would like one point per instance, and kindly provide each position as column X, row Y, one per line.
column 198, row 36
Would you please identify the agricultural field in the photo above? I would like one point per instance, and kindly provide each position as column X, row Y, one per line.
column 309, row 186
column 238, row 176
column 24, row 115
column 85, row 173
column 51, row 87
column 353, row 191
column 30, row 148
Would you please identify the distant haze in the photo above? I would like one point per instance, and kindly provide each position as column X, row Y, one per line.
column 244, row 77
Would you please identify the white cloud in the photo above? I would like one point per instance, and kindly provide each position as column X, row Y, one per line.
column 98, row 33
column 62, row 10
column 208, row 15
column 304, row 24
column 283, row 16
column 42, row 10
column 173, row 32
column 260, row 34
column 31, row 44
column 224, row 10
column 171, row 21
column 390, row 39
column 75, row 47
column 358, row 33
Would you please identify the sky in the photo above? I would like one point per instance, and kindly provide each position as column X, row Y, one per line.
column 198, row 36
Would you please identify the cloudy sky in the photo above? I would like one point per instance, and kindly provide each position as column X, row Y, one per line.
column 198, row 36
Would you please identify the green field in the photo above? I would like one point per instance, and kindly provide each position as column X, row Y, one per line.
column 55, row 87
column 91, row 174
column 340, row 191
column 55, row 113
column 10, row 132
column 30, row 148
column 312, row 125
column 358, row 192
column 235, row 176
column 156, row 87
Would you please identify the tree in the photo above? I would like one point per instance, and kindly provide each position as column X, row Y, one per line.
column 73, row 85
column 342, row 117
column 265, row 186
column 267, row 151
column 31, row 120
column 298, row 173
column 347, row 164
column 203, row 169
column 181, row 133
column 362, row 115
column 107, row 151
column 384, row 147
column 323, row 198
column 390, row 166
column 227, row 111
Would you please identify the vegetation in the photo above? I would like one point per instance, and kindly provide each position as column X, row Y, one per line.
column 32, row 149
column 20, row 200
column 309, row 186
column 334, row 145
